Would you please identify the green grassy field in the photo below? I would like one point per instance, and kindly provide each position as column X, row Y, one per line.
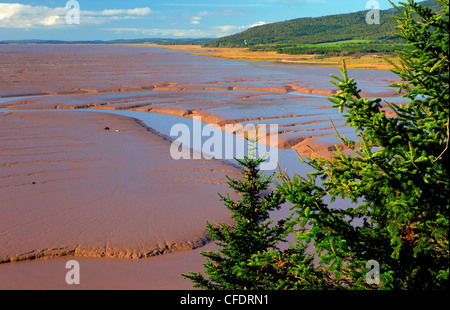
column 339, row 43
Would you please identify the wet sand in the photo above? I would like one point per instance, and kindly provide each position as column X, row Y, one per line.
column 92, row 192
column 172, row 82
column 360, row 62
column 114, row 199
column 154, row 273
column 69, row 187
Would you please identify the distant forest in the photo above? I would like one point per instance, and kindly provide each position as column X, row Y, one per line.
column 348, row 33
column 334, row 35
column 119, row 41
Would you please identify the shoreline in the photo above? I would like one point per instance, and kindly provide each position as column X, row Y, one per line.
column 55, row 161
column 74, row 156
column 161, row 270
column 364, row 62
column 302, row 146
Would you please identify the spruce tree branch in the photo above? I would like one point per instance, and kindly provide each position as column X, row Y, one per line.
column 446, row 145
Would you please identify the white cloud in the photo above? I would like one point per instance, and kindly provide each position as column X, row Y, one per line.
column 225, row 30
column 159, row 32
column 50, row 20
column 212, row 32
column 136, row 12
column 195, row 20
column 213, row 5
column 16, row 15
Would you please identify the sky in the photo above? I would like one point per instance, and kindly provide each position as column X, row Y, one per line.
column 133, row 19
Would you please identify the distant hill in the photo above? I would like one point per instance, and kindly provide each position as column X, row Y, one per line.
column 341, row 27
column 120, row 41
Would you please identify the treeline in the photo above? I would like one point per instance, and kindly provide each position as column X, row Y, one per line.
column 351, row 26
column 333, row 28
column 332, row 50
column 199, row 41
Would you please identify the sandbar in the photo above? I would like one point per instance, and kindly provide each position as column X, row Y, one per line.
column 91, row 185
column 374, row 61
column 103, row 188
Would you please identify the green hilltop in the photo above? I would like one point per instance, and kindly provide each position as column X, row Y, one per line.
column 327, row 35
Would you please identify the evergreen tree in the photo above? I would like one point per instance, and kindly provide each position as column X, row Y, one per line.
column 397, row 179
column 396, row 182
column 229, row 267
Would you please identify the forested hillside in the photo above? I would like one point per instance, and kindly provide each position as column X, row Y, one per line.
column 296, row 36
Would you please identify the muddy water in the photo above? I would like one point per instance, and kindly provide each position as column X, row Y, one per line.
column 174, row 82
column 162, row 88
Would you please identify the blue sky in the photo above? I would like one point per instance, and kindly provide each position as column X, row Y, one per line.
column 118, row 19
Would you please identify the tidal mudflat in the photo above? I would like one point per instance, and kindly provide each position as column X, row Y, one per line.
column 102, row 188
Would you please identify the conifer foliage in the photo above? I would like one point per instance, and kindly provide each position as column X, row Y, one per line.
column 229, row 267
column 397, row 179
column 396, row 184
